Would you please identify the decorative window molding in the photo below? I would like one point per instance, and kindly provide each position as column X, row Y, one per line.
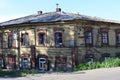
column 117, row 31
column 24, row 39
column 58, row 37
column 12, row 40
column 104, row 36
column 25, row 61
column 42, row 36
column 60, row 62
column 11, row 59
column 88, row 36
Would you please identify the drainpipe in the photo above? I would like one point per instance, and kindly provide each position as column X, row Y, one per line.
column 18, row 32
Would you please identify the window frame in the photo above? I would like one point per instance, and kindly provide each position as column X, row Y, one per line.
column 44, row 39
column 58, row 45
column 1, row 40
column 86, row 32
column 103, row 37
column 24, row 40
column 117, row 35
column 12, row 40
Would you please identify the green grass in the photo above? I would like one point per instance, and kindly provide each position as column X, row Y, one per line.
column 108, row 63
column 14, row 72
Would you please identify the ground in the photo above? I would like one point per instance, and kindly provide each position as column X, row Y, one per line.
column 96, row 74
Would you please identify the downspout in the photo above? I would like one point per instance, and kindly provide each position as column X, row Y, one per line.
column 18, row 32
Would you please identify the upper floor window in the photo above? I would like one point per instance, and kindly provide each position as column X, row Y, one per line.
column 58, row 39
column 24, row 39
column 12, row 37
column 88, row 37
column 104, row 36
column 1, row 40
column 117, row 37
column 41, row 38
column 58, row 36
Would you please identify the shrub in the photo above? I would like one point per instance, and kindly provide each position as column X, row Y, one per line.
column 108, row 63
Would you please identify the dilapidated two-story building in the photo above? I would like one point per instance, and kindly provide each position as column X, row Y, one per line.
column 57, row 40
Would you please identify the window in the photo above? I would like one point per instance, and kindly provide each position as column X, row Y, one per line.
column 24, row 39
column 104, row 56
column 58, row 39
column 88, row 38
column 89, row 58
column 25, row 63
column 1, row 62
column 41, row 38
column 12, row 40
column 118, row 37
column 60, row 62
column 1, row 40
column 104, row 36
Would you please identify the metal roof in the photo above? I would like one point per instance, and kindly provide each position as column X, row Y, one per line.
column 54, row 17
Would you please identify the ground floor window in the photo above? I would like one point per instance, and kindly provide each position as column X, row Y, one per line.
column 25, row 63
column 89, row 58
column 60, row 62
column 1, row 62
column 104, row 56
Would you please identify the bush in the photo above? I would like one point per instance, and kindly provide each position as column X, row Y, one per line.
column 108, row 63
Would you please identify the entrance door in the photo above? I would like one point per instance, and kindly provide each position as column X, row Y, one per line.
column 42, row 63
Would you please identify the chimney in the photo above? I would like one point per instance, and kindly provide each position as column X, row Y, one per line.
column 39, row 12
column 58, row 9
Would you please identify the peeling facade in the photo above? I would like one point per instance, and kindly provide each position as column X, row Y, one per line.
column 57, row 40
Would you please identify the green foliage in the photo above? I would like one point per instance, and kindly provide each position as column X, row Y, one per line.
column 108, row 63
column 14, row 72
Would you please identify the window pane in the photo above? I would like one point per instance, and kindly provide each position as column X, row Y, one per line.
column 104, row 38
column 41, row 38
column 88, row 37
column 24, row 39
column 58, row 38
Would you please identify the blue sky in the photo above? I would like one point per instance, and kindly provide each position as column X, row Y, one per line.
column 108, row 9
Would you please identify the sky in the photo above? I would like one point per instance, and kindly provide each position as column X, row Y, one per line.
column 107, row 9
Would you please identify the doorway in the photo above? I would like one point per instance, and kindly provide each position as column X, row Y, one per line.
column 42, row 64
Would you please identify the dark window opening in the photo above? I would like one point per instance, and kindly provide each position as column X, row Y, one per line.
column 25, row 63
column 58, row 39
column 42, row 38
column 24, row 39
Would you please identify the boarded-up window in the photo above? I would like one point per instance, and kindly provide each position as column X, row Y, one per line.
column 60, row 61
